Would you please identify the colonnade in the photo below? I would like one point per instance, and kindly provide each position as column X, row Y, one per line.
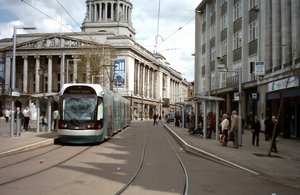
column 98, row 11
column 38, row 74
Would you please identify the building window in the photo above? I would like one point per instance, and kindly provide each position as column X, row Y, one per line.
column 212, row 8
column 224, row 47
column 223, row 2
column 237, row 40
column 253, row 31
column 252, row 3
column 224, row 21
column 212, row 54
column 237, row 10
column 213, row 30
column 203, row 37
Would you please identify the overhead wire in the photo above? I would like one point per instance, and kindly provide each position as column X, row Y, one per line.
column 177, row 30
column 68, row 13
column 60, row 23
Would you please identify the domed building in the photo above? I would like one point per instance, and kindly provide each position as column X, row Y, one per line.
column 104, row 52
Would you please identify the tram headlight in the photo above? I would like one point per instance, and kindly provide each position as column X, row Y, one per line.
column 63, row 125
column 94, row 126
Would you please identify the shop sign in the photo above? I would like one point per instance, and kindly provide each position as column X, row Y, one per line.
column 236, row 96
column 281, row 84
column 253, row 96
column 259, row 68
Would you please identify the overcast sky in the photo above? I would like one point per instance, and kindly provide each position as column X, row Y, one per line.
column 176, row 24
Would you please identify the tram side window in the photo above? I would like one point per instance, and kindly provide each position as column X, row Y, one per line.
column 100, row 110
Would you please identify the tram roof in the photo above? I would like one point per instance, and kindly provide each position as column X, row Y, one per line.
column 98, row 88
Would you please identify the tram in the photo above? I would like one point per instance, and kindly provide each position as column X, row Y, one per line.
column 90, row 113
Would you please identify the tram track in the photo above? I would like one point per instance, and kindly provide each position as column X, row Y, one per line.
column 142, row 163
column 36, row 164
column 27, row 159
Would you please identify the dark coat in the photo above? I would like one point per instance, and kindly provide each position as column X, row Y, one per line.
column 255, row 126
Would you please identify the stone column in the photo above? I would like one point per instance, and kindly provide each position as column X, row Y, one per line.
column 90, row 11
column 143, row 80
column 88, row 72
column 100, row 12
column 75, row 71
column 37, row 76
column 265, row 38
column 95, row 12
column 276, row 34
column 105, row 12
column 295, row 28
column 49, row 89
column 286, row 31
column 25, row 74
column 62, row 70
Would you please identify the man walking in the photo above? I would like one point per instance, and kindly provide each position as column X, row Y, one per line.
column 255, row 128
column 26, row 113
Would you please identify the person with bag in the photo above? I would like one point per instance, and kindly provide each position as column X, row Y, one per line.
column 224, row 130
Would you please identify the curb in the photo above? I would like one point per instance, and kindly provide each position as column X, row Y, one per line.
column 28, row 147
column 205, row 154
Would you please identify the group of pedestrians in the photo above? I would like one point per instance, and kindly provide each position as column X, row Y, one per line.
column 229, row 126
column 22, row 118
column 229, row 130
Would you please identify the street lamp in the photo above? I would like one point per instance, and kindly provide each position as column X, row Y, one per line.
column 13, row 76
column 223, row 68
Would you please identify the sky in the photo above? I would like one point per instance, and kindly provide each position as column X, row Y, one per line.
column 174, row 37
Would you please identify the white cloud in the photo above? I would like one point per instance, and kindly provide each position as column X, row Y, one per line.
column 173, row 15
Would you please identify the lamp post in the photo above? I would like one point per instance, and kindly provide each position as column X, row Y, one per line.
column 223, row 68
column 13, row 76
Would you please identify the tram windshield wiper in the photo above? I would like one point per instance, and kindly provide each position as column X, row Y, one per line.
column 74, row 120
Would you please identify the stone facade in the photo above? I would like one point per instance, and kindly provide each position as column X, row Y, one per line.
column 105, row 52
column 261, row 38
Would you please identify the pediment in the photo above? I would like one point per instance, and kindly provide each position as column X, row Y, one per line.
column 56, row 42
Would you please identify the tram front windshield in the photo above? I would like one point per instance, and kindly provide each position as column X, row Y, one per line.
column 79, row 108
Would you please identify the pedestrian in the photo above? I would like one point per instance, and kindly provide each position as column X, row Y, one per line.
column 159, row 118
column 274, row 126
column 18, row 119
column 6, row 114
column 255, row 128
column 177, row 119
column 191, row 123
column 268, row 130
column 55, row 119
column 234, row 128
column 43, row 120
column 26, row 113
column 224, row 130
column 154, row 119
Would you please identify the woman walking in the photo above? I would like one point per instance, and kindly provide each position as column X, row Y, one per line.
column 224, row 129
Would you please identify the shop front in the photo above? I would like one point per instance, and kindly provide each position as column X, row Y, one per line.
column 285, row 93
